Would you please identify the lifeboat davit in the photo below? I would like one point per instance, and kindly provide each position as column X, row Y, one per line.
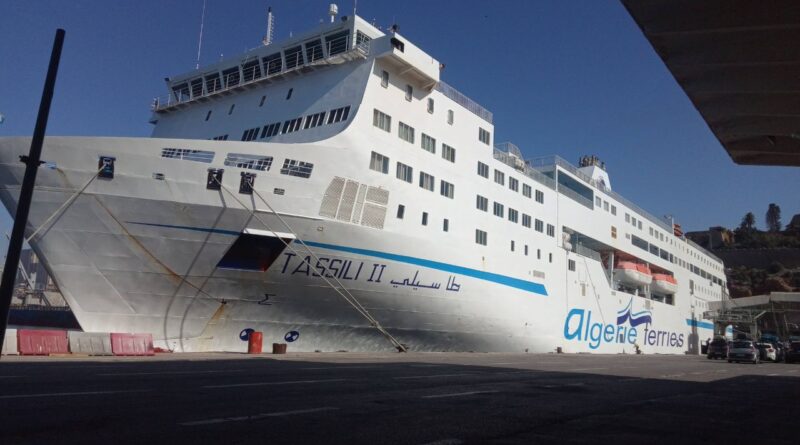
column 633, row 274
column 664, row 284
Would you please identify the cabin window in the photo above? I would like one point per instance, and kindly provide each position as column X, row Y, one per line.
column 550, row 257
column 430, row 105
column 538, row 225
column 385, row 79
column 401, row 210
column 512, row 245
column 406, row 132
column 513, row 215
column 613, row 209
column 551, row 230
column 526, row 250
column 293, row 167
column 499, row 177
column 513, row 184
column 538, row 254
column 483, row 170
column 379, row 163
column 382, row 120
column 450, row 117
column 181, row 92
column 448, row 153
column 405, row 172
column 597, row 201
column 446, row 225
column 540, row 196
column 263, row 98
column 484, row 136
column 447, row 189
column 571, row 265
column 482, row 203
column 480, row 237
column 424, row 218
column 499, row 209
column 409, row 92
column 208, row 115
column 289, row 93
column 428, row 143
column 230, row 110
column 526, row 190
column 426, row 181
column 526, row 220
column 605, row 206
column 613, row 232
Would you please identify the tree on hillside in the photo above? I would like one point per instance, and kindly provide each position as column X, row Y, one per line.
column 774, row 218
column 748, row 222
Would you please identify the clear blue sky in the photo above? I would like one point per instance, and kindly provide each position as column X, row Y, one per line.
column 562, row 77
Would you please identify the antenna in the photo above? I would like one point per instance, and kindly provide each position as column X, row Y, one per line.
column 200, row 40
column 270, row 27
column 332, row 11
column 355, row 6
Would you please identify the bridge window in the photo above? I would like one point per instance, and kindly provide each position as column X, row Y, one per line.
column 293, row 167
column 294, row 57
column 212, row 82
column 273, row 63
column 231, row 77
column 271, row 130
column 314, row 50
column 251, row 70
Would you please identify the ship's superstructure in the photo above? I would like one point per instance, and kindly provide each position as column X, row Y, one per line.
column 333, row 191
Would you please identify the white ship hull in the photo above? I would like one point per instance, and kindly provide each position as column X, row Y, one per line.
column 135, row 254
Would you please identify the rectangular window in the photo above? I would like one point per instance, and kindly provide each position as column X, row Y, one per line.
column 613, row 209
column 401, row 211
column 482, row 203
column 314, row 120
column 526, row 220
column 513, row 215
column 428, row 143
column 188, row 154
column 409, row 92
column 633, row 221
column 540, row 196
column 539, row 225
column 426, row 181
column 405, row 172
column 605, row 205
column 447, row 189
column 271, row 130
column 526, row 190
column 406, row 132
column 292, row 125
column 538, row 254
column 639, row 224
column 483, row 169
column 385, row 79
column 597, row 201
column 627, row 218
column 448, row 153
column 613, row 232
column 430, row 105
column 251, row 134
column 571, row 265
column 484, row 136
column 224, row 137
column 450, row 117
column 424, row 218
column 252, row 162
column 341, row 114
column 499, row 210
column 499, row 177
column 513, row 184
column 526, row 250
column 293, row 167
column 379, row 163
column 480, row 237
column 382, row 120
column 551, row 230
column 446, row 225
column 512, row 245
column 651, row 231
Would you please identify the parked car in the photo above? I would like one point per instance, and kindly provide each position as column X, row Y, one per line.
column 718, row 348
column 743, row 351
column 766, row 352
column 793, row 352
column 780, row 351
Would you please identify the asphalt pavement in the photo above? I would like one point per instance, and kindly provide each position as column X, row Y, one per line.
column 415, row 398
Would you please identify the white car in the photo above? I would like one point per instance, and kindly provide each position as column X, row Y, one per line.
column 767, row 352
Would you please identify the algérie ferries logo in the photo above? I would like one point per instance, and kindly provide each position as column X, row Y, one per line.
column 578, row 326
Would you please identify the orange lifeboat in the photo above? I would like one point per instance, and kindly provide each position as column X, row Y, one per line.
column 664, row 284
column 634, row 274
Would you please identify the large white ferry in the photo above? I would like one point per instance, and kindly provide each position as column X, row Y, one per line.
column 332, row 191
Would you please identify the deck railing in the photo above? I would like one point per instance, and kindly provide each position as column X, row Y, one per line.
column 459, row 98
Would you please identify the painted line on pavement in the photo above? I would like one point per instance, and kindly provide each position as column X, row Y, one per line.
column 294, row 382
column 431, row 376
column 457, row 394
column 168, row 372
column 338, row 367
column 67, row 394
column 445, row 442
column 257, row 416
column 586, row 369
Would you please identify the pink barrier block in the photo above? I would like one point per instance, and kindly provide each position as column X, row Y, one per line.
column 44, row 342
column 132, row 344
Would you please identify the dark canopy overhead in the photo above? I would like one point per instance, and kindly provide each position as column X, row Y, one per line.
column 739, row 63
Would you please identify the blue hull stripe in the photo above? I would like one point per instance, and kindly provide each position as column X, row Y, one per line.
column 516, row 283
column 700, row 324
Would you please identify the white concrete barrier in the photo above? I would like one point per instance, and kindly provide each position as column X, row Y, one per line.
column 91, row 343
column 10, row 343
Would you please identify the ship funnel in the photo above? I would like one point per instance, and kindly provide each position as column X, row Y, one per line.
column 332, row 11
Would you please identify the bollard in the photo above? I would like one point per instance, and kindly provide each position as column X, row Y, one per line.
column 279, row 348
column 254, row 343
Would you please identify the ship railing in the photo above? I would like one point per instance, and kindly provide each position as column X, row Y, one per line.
column 551, row 161
column 461, row 99
column 251, row 74
column 580, row 249
column 520, row 165
column 702, row 249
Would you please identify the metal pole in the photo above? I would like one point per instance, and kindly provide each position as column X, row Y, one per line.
column 26, row 191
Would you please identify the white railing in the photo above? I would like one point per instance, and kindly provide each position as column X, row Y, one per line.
column 459, row 98
column 521, row 166
column 251, row 74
